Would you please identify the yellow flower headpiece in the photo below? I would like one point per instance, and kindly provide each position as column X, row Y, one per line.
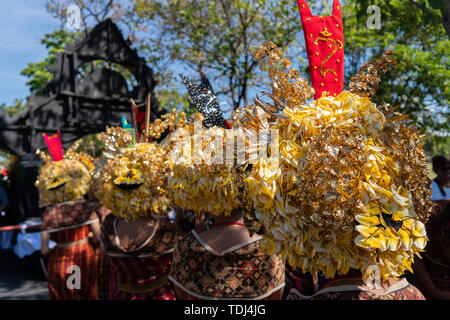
column 203, row 179
column 133, row 183
column 61, row 181
column 348, row 190
column 211, row 178
column 132, row 179
column 66, row 179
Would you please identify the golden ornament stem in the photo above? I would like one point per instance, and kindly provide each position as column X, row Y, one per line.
column 147, row 116
column 133, row 115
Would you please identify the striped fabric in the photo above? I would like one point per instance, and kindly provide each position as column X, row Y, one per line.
column 140, row 274
column 141, row 279
column 60, row 260
column 103, row 274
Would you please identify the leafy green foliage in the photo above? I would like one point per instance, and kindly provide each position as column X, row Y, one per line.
column 170, row 99
column 216, row 36
column 437, row 145
column 92, row 145
column 414, row 30
column 39, row 72
column 17, row 108
column 13, row 110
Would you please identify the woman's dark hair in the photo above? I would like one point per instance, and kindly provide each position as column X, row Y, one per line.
column 439, row 163
column 186, row 221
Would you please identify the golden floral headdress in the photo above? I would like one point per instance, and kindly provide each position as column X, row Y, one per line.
column 350, row 187
column 202, row 179
column 209, row 164
column 63, row 178
column 132, row 178
column 207, row 179
column 133, row 182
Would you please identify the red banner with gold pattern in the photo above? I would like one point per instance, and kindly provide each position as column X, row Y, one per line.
column 54, row 146
column 324, row 39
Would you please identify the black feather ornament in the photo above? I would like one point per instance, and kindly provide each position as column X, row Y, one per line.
column 205, row 101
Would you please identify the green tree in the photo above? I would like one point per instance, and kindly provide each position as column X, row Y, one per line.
column 414, row 30
column 91, row 144
column 436, row 145
column 216, row 37
column 39, row 73
column 15, row 109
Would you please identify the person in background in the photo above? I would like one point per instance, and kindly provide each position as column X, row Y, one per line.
column 440, row 186
column 67, row 219
column 4, row 203
column 5, row 237
column 222, row 261
column 72, row 249
column 137, row 235
column 433, row 272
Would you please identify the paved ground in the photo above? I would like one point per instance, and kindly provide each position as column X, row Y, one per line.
column 21, row 279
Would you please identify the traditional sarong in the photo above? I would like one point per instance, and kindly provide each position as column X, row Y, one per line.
column 140, row 279
column 61, row 261
column 348, row 288
column 302, row 282
column 241, row 272
column 103, row 276
column 141, row 274
column 74, row 256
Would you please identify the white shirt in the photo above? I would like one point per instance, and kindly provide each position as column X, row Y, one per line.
column 436, row 192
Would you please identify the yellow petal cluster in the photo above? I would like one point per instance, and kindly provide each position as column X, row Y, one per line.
column 203, row 179
column 149, row 169
column 198, row 181
column 340, row 194
column 132, row 177
column 114, row 139
column 61, row 181
column 167, row 121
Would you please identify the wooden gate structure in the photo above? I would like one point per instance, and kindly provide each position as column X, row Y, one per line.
column 76, row 105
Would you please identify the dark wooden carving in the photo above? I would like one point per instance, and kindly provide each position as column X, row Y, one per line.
column 81, row 106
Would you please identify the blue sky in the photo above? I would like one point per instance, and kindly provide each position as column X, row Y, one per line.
column 22, row 24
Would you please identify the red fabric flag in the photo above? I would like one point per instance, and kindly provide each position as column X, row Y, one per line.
column 54, row 145
column 324, row 37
